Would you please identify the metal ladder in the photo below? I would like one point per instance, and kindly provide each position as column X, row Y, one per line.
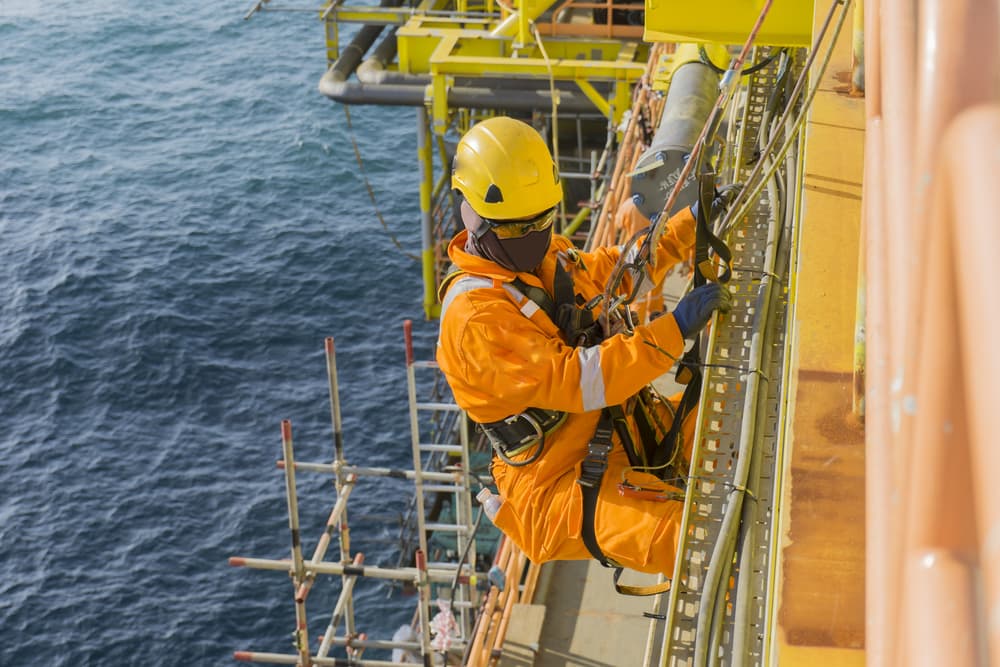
column 432, row 422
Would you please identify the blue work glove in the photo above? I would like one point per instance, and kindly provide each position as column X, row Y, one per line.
column 695, row 310
column 724, row 196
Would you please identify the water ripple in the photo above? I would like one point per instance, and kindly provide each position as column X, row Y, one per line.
column 183, row 223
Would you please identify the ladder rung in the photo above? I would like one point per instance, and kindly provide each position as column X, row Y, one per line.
column 450, row 407
column 435, row 447
column 445, row 527
column 446, row 488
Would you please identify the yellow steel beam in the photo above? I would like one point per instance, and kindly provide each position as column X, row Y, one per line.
column 622, row 102
column 728, row 22
column 417, row 43
column 588, row 89
column 403, row 15
column 517, row 22
column 562, row 69
column 487, row 58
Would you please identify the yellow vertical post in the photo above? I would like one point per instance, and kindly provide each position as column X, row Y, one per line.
column 622, row 101
column 426, row 161
column 332, row 41
column 436, row 93
column 522, row 22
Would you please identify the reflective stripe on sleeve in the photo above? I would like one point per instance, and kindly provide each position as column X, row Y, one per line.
column 528, row 307
column 591, row 378
column 461, row 286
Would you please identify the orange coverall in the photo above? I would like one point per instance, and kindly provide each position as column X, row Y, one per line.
column 501, row 357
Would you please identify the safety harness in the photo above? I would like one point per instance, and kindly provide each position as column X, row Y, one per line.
column 689, row 368
column 527, row 431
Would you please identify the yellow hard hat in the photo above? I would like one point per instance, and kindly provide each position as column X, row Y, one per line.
column 505, row 171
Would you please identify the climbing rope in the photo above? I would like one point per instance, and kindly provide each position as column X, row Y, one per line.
column 371, row 191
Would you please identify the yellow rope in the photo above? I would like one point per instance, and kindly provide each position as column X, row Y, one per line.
column 554, row 96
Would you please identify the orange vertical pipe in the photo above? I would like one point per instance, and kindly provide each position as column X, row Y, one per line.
column 973, row 159
column 943, row 610
column 897, row 43
column 881, row 497
column 873, row 59
column 879, row 485
column 957, row 66
column 938, row 609
column 897, row 71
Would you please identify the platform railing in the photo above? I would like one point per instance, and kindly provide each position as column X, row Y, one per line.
column 931, row 203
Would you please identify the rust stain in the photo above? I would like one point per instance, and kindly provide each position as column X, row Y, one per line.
column 822, row 598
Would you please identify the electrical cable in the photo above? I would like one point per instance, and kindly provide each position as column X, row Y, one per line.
column 756, row 67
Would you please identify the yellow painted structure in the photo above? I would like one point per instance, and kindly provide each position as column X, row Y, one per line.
column 728, row 22
column 821, row 594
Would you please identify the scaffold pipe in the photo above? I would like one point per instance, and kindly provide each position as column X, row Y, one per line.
column 374, row 572
column 343, row 602
column 286, row 659
column 330, row 468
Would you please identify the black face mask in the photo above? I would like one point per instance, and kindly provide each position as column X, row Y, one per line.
column 520, row 255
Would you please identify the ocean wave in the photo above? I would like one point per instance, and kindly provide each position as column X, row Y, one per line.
column 183, row 224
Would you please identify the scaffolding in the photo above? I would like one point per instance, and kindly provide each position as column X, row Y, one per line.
column 462, row 610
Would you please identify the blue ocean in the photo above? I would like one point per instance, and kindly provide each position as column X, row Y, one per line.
column 182, row 223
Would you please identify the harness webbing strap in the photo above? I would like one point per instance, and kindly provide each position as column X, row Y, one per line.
column 705, row 239
column 620, row 424
column 539, row 296
column 628, row 589
column 689, row 370
column 591, row 474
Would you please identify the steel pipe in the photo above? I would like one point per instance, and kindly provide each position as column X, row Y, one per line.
column 484, row 93
column 693, row 90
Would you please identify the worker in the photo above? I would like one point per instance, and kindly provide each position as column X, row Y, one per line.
column 530, row 364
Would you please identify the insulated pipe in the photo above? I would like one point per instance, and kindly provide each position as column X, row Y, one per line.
column 373, row 68
column 351, row 56
column 975, row 134
column 478, row 96
column 880, row 489
column 694, row 87
column 898, row 56
column 940, row 542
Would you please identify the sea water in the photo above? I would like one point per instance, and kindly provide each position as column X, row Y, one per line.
column 182, row 223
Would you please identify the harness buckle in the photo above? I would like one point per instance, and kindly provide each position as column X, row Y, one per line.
column 519, row 433
column 596, row 461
